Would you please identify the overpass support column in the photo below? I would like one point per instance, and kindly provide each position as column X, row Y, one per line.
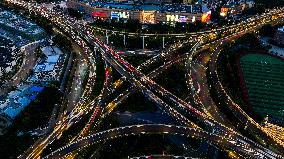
column 124, row 40
column 163, row 42
column 143, row 38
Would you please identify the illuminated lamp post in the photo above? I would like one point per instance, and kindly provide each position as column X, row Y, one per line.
column 95, row 51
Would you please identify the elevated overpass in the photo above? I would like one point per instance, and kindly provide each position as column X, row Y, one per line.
column 234, row 145
column 133, row 75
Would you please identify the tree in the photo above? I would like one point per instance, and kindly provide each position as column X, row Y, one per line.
column 133, row 25
column 267, row 30
column 61, row 41
column 74, row 13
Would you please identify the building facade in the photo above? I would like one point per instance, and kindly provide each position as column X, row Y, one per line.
column 279, row 36
column 145, row 14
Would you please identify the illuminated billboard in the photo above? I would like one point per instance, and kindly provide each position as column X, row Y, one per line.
column 148, row 17
column 99, row 14
column 224, row 12
column 119, row 15
column 182, row 19
column 172, row 18
column 206, row 16
column 193, row 19
column 176, row 18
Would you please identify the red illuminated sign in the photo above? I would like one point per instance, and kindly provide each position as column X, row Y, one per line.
column 99, row 14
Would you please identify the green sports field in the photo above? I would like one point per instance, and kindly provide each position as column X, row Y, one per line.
column 264, row 79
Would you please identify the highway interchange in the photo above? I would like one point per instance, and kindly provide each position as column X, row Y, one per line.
column 216, row 131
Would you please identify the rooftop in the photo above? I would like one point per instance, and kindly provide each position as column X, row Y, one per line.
column 195, row 8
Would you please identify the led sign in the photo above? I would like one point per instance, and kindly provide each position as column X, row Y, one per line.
column 176, row 18
column 224, row 12
column 148, row 17
column 206, row 16
column 193, row 19
column 182, row 19
column 119, row 15
column 99, row 14
column 172, row 18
